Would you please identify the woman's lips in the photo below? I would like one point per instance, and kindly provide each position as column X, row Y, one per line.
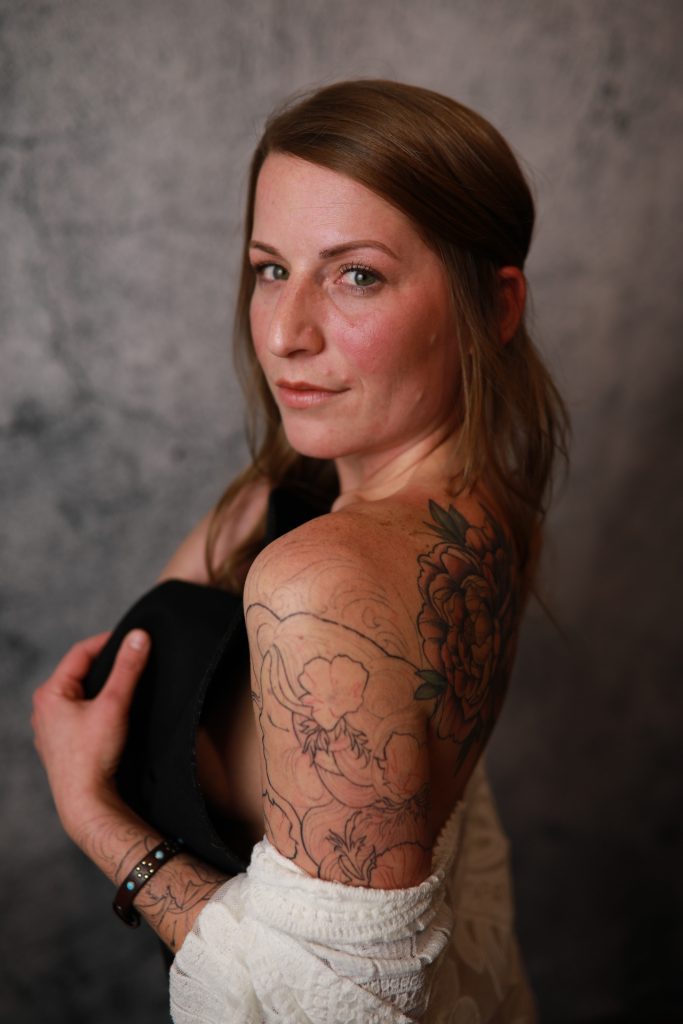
column 302, row 394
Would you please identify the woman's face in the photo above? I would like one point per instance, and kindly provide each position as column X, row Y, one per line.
column 351, row 316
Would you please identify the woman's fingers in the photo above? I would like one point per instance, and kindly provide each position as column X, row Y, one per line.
column 80, row 741
column 130, row 661
column 74, row 666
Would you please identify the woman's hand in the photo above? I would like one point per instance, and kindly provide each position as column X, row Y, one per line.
column 80, row 741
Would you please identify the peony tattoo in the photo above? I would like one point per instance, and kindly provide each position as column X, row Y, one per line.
column 466, row 624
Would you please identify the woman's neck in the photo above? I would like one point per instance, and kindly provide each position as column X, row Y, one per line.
column 432, row 460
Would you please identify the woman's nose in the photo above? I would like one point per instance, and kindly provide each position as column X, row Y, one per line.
column 295, row 325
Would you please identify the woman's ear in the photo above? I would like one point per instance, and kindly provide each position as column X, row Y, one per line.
column 512, row 285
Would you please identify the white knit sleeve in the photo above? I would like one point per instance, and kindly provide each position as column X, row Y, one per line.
column 277, row 945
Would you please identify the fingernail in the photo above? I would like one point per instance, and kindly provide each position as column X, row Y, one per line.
column 137, row 640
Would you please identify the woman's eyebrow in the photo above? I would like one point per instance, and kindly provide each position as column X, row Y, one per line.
column 363, row 243
column 335, row 250
column 264, row 248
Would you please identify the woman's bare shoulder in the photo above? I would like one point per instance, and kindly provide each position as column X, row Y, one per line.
column 384, row 536
column 337, row 566
column 367, row 563
column 238, row 520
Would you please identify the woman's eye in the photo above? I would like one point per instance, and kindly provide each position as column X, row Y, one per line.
column 359, row 277
column 271, row 272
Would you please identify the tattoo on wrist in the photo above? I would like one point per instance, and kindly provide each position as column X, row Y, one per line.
column 174, row 897
column 171, row 900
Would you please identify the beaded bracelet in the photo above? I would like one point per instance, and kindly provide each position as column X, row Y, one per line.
column 140, row 876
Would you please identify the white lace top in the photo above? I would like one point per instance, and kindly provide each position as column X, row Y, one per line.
column 276, row 945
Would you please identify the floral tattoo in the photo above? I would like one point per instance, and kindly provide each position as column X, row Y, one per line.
column 346, row 746
column 466, row 624
column 344, row 756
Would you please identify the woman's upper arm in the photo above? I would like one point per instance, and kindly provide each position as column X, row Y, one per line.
column 189, row 561
column 345, row 765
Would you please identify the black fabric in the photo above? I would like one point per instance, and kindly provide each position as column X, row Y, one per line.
column 199, row 645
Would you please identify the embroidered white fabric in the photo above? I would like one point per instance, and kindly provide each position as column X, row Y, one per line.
column 276, row 945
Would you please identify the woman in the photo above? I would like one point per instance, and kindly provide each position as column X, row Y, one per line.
column 381, row 314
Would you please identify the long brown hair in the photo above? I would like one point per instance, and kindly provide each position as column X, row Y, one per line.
column 454, row 176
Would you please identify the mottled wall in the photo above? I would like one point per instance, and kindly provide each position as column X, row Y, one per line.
column 125, row 128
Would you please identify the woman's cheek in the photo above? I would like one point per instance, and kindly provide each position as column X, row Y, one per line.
column 370, row 343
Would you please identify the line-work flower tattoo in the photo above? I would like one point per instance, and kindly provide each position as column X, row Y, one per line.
column 345, row 762
column 466, row 624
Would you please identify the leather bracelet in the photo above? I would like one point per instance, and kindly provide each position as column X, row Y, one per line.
column 140, row 876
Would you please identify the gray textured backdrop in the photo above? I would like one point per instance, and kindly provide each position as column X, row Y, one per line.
column 124, row 134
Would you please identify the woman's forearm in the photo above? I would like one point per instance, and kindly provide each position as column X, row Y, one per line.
column 116, row 839
column 80, row 743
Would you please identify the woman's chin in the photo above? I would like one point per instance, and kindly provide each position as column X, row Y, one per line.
column 322, row 452
column 306, row 443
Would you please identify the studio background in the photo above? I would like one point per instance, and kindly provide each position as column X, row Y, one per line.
column 125, row 131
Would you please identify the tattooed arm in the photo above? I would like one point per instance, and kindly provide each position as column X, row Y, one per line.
column 377, row 682
column 79, row 742
column 345, row 765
